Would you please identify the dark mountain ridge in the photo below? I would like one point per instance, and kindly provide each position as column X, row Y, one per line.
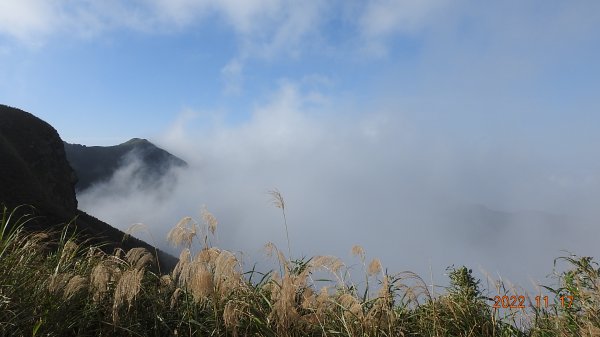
column 97, row 164
column 34, row 170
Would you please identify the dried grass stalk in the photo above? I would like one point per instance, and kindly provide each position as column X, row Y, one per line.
column 76, row 284
column 139, row 258
column 201, row 284
column 183, row 234
column 127, row 289
column 99, row 278
column 209, row 219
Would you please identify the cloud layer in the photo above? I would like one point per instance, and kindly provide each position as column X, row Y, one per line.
column 379, row 179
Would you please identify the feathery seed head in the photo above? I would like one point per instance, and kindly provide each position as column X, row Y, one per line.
column 225, row 263
column 284, row 310
column 182, row 234
column 68, row 251
column 166, row 282
column 118, row 254
column 184, row 221
column 232, row 313
column 209, row 219
column 384, row 291
column 382, row 312
column 139, row 257
column 39, row 237
column 227, row 275
column 127, row 288
column 277, row 198
column 201, row 284
column 208, row 255
column 182, row 264
column 329, row 262
column 374, row 267
column 36, row 241
column 317, row 304
column 99, row 279
column 135, row 228
column 358, row 250
column 351, row 304
column 270, row 248
column 76, row 283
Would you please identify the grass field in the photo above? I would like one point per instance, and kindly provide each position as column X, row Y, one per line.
column 52, row 284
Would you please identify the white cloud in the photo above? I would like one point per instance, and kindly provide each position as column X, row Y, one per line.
column 384, row 18
column 34, row 21
column 26, row 19
column 263, row 28
column 295, row 24
column 232, row 76
column 248, row 17
column 175, row 133
column 264, row 20
column 176, row 13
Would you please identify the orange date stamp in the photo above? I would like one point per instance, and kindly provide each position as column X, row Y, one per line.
column 518, row 302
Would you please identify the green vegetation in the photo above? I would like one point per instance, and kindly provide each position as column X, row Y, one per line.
column 53, row 285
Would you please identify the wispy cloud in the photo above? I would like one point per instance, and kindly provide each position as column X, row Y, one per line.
column 263, row 29
column 28, row 19
column 382, row 19
column 233, row 77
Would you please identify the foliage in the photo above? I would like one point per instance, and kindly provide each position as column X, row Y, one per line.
column 51, row 284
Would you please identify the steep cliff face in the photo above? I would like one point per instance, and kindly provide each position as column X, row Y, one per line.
column 33, row 164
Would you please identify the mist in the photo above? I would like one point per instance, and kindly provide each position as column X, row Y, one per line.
column 402, row 189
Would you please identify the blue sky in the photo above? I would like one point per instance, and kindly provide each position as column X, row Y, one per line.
column 385, row 102
column 103, row 73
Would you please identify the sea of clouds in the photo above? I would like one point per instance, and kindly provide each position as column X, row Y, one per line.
column 407, row 193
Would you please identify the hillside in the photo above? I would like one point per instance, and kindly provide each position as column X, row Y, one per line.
column 95, row 164
column 34, row 170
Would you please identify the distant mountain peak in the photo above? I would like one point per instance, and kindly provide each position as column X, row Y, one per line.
column 137, row 141
column 97, row 164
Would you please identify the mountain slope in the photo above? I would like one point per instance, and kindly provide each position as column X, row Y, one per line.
column 95, row 164
column 34, row 170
